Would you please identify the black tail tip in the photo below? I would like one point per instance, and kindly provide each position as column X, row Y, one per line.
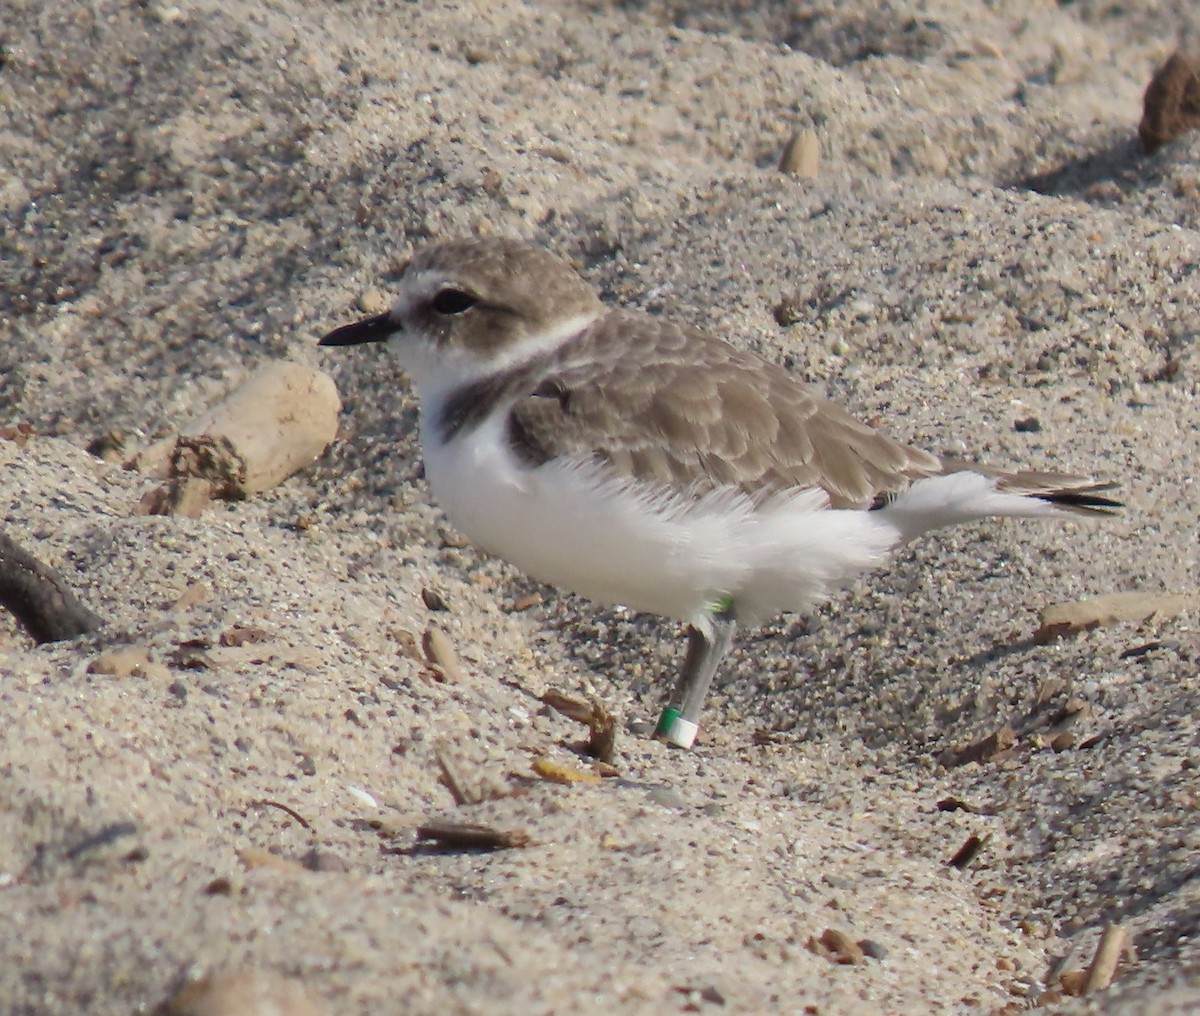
column 1092, row 500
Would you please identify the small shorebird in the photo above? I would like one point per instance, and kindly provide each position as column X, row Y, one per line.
column 641, row 462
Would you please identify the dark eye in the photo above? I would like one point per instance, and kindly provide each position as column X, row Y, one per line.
column 452, row 301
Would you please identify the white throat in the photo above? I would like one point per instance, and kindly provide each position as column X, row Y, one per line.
column 437, row 371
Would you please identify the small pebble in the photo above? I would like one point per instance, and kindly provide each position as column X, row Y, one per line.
column 242, row 634
column 1171, row 105
column 873, row 949
column 527, row 601
column 433, row 600
column 245, row 993
column 372, row 301
column 801, row 156
column 324, row 860
column 125, row 662
column 1063, row 741
column 186, row 497
column 440, row 652
column 220, row 886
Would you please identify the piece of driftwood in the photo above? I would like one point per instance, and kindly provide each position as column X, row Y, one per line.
column 38, row 597
column 1103, row 968
column 1063, row 619
column 471, row 836
column 276, row 422
column 602, row 743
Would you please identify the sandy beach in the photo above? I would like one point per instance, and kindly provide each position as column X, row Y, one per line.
column 212, row 804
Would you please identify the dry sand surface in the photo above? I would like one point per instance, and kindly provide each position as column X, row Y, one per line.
column 228, row 778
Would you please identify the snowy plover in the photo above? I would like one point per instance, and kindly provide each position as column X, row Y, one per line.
column 640, row 462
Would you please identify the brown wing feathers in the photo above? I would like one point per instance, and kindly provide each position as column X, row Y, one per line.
column 705, row 413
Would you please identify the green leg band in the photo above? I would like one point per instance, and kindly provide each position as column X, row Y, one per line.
column 666, row 721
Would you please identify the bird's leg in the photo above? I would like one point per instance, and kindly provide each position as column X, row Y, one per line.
column 680, row 721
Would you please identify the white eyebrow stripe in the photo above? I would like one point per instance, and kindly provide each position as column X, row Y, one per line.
column 543, row 342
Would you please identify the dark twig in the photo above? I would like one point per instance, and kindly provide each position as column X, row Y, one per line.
column 267, row 803
column 38, row 597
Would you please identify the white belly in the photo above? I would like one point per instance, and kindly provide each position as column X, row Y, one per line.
column 573, row 525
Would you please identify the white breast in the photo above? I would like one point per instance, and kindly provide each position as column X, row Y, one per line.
column 572, row 524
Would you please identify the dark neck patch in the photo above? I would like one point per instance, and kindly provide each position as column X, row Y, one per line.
column 469, row 405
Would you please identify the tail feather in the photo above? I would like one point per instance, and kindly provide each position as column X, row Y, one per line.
column 1079, row 494
column 969, row 492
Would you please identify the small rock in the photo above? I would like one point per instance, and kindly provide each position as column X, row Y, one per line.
column 1171, row 106
column 256, row 857
column 18, row 435
column 967, row 852
column 111, row 446
column 1169, row 371
column 1063, row 741
column 125, row 662
column 220, row 886
column 324, row 860
column 665, row 797
column 105, row 844
column 242, row 634
column 407, row 642
column 1048, row 688
column 440, row 652
column 245, row 993
column 801, row 155
column 527, row 601
column 372, row 301
column 433, row 600
column 186, row 497
column 788, row 311
column 956, row 804
column 1028, row 425
column 873, row 949
column 837, row 947
column 1073, row 981
column 167, row 14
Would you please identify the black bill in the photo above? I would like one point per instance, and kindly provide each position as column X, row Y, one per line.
column 373, row 329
